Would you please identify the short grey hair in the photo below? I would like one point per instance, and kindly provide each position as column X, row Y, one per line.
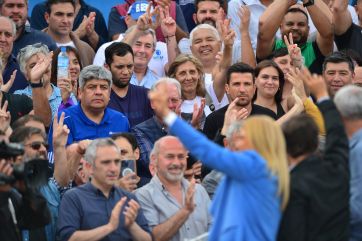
column 13, row 25
column 90, row 154
column 234, row 128
column 94, row 72
column 170, row 81
column 348, row 102
column 29, row 51
column 207, row 27
column 144, row 33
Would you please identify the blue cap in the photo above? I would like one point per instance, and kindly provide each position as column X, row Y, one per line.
column 137, row 9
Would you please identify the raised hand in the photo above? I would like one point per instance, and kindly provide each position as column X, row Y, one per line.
column 227, row 34
column 145, row 21
column 42, row 66
column 5, row 117
column 197, row 114
column 60, row 131
column 168, row 24
column 232, row 114
column 90, row 23
column 297, row 82
column 6, row 87
column 244, row 15
column 315, row 83
column 159, row 100
column 66, row 88
column 114, row 219
column 189, row 204
column 294, row 51
column 129, row 182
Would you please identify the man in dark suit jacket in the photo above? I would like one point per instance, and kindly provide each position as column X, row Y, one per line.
column 318, row 208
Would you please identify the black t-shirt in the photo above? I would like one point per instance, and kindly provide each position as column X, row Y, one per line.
column 215, row 121
column 18, row 105
column 351, row 39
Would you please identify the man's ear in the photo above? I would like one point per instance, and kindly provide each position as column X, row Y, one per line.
column 137, row 154
column 107, row 66
column 226, row 143
column 46, row 16
column 227, row 88
column 194, row 16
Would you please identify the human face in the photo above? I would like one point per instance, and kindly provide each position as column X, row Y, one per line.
column 74, row 66
column 239, row 141
column 174, row 99
column 241, row 85
column 143, row 50
column 267, row 82
column 188, row 76
column 336, row 76
column 297, row 24
column 171, row 160
column 207, row 12
column 205, row 46
column 36, row 124
column 122, row 69
column 17, row 10
column 284, row 63
column 95, row 95
column 106, row 167
column 357, row 80
column 61, row 18
column 29, row 65
column 6, row 37
column 34, row 147
column 127, row 152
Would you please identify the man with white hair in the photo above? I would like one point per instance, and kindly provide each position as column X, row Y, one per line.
column 175, row 208
column 348, row 102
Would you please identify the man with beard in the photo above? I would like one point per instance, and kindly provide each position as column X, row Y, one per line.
column 293, row 19
column 175, row 208
column 239, row 84
column 126, row 98
column 17, row 10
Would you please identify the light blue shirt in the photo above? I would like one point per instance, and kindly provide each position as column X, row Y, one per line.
column 355, row 163
column 148, row 80
column 54, row 100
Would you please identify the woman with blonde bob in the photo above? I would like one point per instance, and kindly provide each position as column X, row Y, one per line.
column 255, row 188
column 188, row 70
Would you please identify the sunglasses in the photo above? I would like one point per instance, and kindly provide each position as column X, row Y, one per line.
column 36, row 145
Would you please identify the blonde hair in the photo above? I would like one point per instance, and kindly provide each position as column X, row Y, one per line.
column 183, row 58
column 268, row 140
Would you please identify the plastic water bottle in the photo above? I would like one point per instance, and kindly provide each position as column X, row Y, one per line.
column 63, row 63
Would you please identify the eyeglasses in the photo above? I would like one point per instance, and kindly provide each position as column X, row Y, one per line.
column 36, row 145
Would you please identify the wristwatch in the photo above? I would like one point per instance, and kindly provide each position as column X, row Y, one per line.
column 37, row 85
column 309, row 3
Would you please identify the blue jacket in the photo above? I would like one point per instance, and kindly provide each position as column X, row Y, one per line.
column 246, row 205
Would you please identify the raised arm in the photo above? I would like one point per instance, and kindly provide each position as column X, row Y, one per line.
column 247, row 52
column 269, row 23
column 323, row 20
column 341, row 16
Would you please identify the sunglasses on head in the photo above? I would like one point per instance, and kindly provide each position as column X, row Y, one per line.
column 36, row 145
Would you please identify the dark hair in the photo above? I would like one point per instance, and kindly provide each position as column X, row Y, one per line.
column 3, row 1
column 339, row 57
column 279, row 53
column 239, row 68
column 270, row 63
column 128, row 136
column 49, row 4
column 297, row 10
column 301, row 135
column 354, row 55
column 24, row 132
column 54, row 73
column 117, row 48
column 222, row 3
column 25, row 119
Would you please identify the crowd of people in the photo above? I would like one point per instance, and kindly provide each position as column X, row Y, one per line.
column 181, row 120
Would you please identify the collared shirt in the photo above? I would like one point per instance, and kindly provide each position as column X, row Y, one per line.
column 20, row 80
column 32, row 36
column 55, row 99
column 159, row 205
column 146, row 134
column 85, row 208
column 355, row 145
column 148, row 79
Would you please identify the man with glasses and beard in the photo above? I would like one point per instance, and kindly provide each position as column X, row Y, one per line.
column 126, row 98
column 240, row 84
column 174, row 208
